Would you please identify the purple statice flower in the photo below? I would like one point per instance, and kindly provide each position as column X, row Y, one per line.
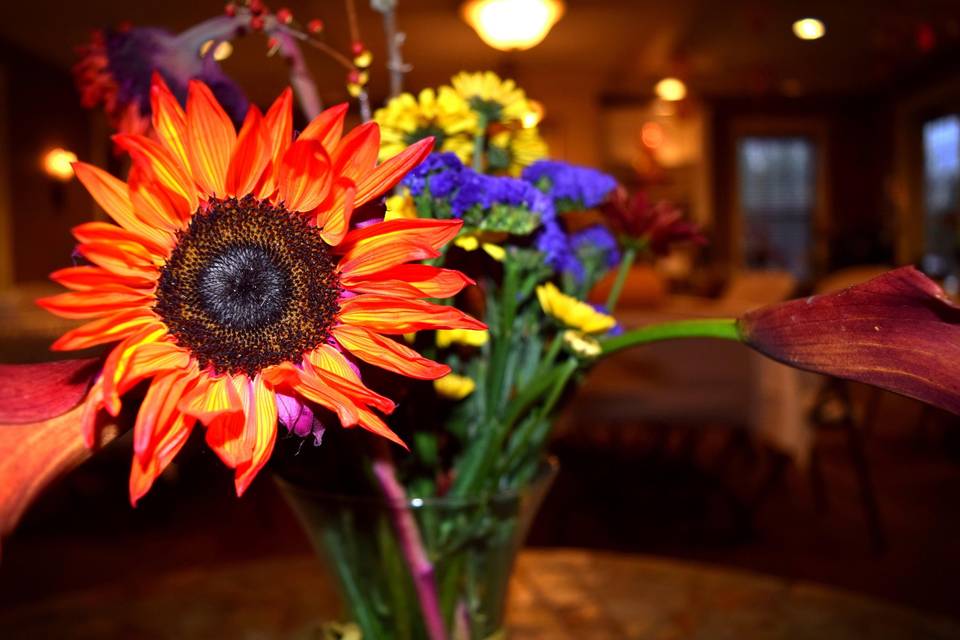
column 570, row 186
column 554, row 243
column 593, row 252
column 117, row 66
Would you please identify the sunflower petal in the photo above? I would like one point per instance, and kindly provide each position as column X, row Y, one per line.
column 169, row 443
column 169, row 120
column 387, row 175
column 412, row 280
column 260, row 433
column 251, row 156
column 390, row 315
column 213, row 397
column 327, row 127
column 159, row 164
column 372, row 423
column 388, row 354
column 104, row 330
column 94, row 304
column 384, row 245
column 331, row 367
column 210, row 138
column 86, row 278
column 311, row 387
column 304, row 176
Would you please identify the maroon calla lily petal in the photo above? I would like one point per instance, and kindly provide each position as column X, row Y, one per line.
column 40, row 434
column 36, row 392
column 898, row 331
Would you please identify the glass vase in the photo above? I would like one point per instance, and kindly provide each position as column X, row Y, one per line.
column 467, row 551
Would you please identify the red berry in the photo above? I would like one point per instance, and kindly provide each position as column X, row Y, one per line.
column 257, row 7
column 353, row 77
column 256, row 23
column 315, row 26
column 284, row 16
column 357, row 48
column 230, row 9
column 272, row 43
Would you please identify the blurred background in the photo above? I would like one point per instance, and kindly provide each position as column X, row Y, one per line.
column 817, row 143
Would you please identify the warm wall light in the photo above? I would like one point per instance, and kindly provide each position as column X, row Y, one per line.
column 512, row 24
column 220, row 53
column 809, row 29
column 533, row 115
column 671, row 89
column 57, row 163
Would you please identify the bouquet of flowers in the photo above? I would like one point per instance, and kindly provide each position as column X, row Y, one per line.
column 267, row 288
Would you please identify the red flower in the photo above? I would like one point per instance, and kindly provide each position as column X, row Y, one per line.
column 656, row 226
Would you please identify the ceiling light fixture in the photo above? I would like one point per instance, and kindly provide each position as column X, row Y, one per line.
column 809, row 29
column 671, row 89
column 512, row 24
column 58, row 164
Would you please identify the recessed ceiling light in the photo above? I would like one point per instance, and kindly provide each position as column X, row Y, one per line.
column 671, row 89
column 809, row 29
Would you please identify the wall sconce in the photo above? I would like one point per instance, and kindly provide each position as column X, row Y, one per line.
column 58, row 164
column 512, row 24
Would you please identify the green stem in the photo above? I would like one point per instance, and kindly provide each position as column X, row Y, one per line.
column 721, row 328
column 479, row 142
column 626, row 262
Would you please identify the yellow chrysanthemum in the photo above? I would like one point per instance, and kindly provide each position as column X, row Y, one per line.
column 473, row 241
column 454, row 387
column 572, row 312
column 494, row 99
column 445, row 337
column 400, row 205
column 443, row 114
column 518, row 149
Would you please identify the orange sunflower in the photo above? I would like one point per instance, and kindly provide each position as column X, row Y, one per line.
column 234, row 281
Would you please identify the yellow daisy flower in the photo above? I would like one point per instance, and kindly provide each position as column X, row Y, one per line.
column 572, row 312
column 581, row 344
column 454, row 387
column 516, row 150
column 494, row 99
column 443, row 114
column 400, row 205
column 445, row 337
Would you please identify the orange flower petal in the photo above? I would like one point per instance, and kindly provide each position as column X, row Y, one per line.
column 159, row 164
column 412, row 281
column 123, row 261
column 314, row 389
column 331, row 367
column 388, row 354
column 335, row 222
column 390, row 315
column 387, row 175
column 304, row 176
column 174, row 436
column 157, row 412
column 95, row 303
column 384, row 245
column 86, row 278
column 372, row 423
column 92, row 232
column 169, row 120
column 210, row 138
column 327, row 127
column 156, row 204
column 139, row 357
column 213, row 396
column 260, row 433
column 356, row 155
column 251, row 156
column 279, row 124
column 112, row 195
column 104, row 330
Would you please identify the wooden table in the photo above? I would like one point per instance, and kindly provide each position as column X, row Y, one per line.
column 557, row 594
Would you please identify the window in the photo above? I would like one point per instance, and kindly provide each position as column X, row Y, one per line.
column 777, row 180
column 941, row 193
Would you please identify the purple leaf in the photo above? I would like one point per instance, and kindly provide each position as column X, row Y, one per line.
column 36, row 392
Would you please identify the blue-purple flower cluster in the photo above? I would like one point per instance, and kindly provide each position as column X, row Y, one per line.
column 593, row 252
column 570, row 186
column 491, row 203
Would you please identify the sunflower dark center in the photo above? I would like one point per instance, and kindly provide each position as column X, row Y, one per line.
column 249, row 285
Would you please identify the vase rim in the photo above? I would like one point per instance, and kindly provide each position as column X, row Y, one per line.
column 546, row 472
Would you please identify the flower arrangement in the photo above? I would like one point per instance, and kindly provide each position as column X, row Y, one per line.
column 251, row 278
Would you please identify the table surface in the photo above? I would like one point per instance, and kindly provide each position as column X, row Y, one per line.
column 557, row 594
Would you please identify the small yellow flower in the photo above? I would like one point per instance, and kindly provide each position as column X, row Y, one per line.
column 472, row 242
column 582, row 345
column 469, row 337
column 400, row 205
column 522, row 147
column 574, row 313
column 443, row 114
column 454, row 387
column 495, row 99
